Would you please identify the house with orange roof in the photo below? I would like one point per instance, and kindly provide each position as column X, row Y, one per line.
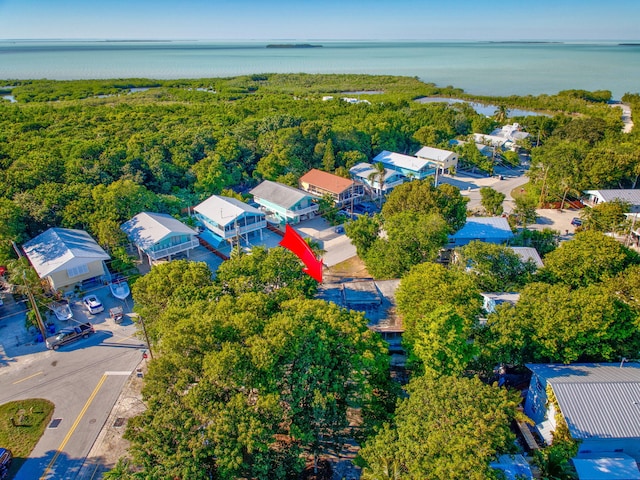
column 343, row 190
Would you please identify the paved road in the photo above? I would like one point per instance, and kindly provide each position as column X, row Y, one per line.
column 83, row 380
column 470, row 186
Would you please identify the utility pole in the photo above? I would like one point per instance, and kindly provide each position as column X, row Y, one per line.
column 32, row 300
column 36, row 310
column 144, row 331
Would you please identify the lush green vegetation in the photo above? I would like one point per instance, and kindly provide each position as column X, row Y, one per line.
column 251, row 375
column 89, row 154
column 22, row 423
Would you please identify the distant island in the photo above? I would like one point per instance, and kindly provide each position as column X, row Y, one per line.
column 525, row 42
column 292, row 45
column 629, row 44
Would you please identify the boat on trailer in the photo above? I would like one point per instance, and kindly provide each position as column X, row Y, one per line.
column 120, row 289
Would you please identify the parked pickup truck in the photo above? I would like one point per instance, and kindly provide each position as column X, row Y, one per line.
column 68, row 335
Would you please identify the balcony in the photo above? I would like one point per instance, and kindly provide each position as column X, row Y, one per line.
column 173, row 250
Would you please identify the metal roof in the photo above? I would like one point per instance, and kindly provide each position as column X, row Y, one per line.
column 60, row 249
column 400, row 160
column 146, row 229
column 431, row 153
column 596, row 400
column 279, row 193
column 484, row 227
column 631, row 196
column 528, row 253
column 224, row 210
column 364, row 170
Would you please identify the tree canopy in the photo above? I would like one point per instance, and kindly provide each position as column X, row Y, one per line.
column 447, row 428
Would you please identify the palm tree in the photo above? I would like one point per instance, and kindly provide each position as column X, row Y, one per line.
column 501, row 114
column 378, row 175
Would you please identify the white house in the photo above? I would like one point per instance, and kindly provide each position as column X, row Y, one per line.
column 484, row 229
column 66, row 258
column 444, row 159
column 366, row 174
column 159, row 235
column 630, row 196
column 600, row 403
column 411, row 167
column 230, row 219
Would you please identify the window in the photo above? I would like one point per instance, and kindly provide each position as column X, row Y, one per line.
column 76, row 271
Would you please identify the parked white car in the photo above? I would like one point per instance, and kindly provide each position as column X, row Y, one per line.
column 93, row 304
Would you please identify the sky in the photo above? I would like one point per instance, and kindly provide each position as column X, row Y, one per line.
column 320, row 19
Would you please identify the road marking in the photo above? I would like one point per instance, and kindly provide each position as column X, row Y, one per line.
column 73, row 427
column 126, row 338
column 95, row 470
column 27, row 378
column 123, row 373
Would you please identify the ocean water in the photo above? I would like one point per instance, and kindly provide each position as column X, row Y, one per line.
column 481, row 68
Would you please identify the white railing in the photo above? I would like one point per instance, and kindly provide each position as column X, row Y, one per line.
column 304, row 211
column 245, row 229
column 174, row 249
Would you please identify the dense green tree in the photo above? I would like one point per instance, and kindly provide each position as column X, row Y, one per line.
column 544, row 241
column 589, row 258
column 441, row 342
column 13, row 228
column 606, row 217
column 429, row 286
column 363, row 232
column 491, row 200
column 447, row 428
column 276, row 271
column 412, row 238
column 421, row 196
column 495, row 268
column 557, row 324
column 178, row 282
column 525, row 211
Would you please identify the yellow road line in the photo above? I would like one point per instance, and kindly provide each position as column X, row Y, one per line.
column 73, row 427
column 27, row 378
column 125, row 338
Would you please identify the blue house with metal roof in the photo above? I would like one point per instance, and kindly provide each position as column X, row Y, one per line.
column 483, row 229
column 600, row 403
column 284, row 204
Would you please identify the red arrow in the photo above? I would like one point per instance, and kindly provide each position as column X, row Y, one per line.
column 294, row 242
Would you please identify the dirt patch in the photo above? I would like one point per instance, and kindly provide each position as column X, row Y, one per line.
column 352, row 268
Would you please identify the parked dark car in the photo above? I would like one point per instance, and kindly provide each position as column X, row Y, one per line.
column 5, row 462
column 576, row 222
column 68, row 335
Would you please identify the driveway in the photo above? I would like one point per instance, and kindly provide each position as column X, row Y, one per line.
column 82, row 379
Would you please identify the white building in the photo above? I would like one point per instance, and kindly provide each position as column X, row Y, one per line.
column 444, row 159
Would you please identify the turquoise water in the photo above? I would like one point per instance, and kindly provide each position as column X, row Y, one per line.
column 477, row 67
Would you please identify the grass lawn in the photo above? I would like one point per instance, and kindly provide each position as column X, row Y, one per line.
column 21, row 426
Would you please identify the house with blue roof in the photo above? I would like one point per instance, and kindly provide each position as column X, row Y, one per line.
column 411, row 167
column 229, row 219
column 158, row 235
column 483, row 229
column 284, row 204
column 66, row 258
